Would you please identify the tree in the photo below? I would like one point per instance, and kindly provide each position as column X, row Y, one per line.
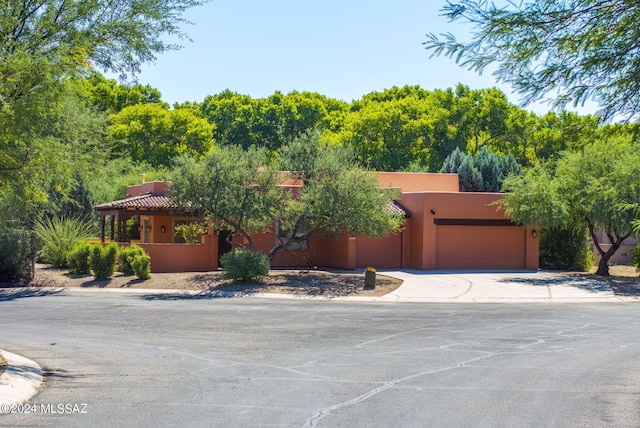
column 572, row 50
column 236, row 188
column 152, row 133
column 483, row 173
column 47, row 42
column 484, row 114
column 336, row 198
column 392, row 129
column 270, row 122
column 586, row 188
column 240, row 191
column 110, row 96
column 66, row 142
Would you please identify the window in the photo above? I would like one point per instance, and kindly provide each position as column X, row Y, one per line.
column 178, row 239
column 146, row 230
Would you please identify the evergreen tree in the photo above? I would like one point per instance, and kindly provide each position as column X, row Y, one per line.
column 469, row 176
column 490, row 167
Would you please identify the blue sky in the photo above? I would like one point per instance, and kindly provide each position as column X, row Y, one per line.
column 343, row 49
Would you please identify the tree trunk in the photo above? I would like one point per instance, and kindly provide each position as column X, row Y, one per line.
column 603, row 266
column 616, row 242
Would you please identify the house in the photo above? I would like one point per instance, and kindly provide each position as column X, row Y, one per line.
column 444, row 229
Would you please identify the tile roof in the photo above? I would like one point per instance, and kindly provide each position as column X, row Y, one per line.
column 395, row 208
column 164, row 202
column 142, row 202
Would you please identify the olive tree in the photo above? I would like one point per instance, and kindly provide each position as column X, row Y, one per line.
column 242, row 191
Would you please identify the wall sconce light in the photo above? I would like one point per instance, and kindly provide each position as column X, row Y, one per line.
column 148, row 229
column 534, row 233
column 432, row 212
column 162, row 229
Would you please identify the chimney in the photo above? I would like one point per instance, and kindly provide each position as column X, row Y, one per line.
column 143, row 177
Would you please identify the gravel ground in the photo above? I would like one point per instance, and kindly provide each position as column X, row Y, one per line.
column 298, row 282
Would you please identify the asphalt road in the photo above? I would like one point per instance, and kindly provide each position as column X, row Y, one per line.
column 238, row 362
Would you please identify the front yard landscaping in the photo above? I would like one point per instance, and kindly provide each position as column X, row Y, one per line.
column 296, row 282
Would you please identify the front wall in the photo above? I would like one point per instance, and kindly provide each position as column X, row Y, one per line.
column 183, row 257
column 480, row 247
column 379, row 253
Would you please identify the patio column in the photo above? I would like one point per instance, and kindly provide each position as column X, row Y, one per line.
column 102, row 227
column 113, row 228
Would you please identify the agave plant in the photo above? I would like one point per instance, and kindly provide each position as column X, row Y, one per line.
column 57, row 236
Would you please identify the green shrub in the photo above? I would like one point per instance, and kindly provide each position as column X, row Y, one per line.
column 635, row 257
column 18, row 250
column 141, row 264
column 132, row 229
column 244, row 266
column 125, row 258
column 78, row 258
column 565, row 249
column 56, row 237
column 370, row 278
column 190, row 232
column 103, row 260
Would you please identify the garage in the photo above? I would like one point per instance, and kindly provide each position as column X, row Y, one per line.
column 479, row 244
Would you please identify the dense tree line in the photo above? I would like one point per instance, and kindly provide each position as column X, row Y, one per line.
column 100, row 126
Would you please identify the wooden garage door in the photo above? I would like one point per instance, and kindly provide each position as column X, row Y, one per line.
column 480, row 247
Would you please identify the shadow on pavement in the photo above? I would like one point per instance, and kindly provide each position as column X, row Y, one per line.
column 589, row 284
column 203, row 295
column 7, row 294
column 60, row 374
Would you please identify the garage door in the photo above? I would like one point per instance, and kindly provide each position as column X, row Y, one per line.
column 480, row 247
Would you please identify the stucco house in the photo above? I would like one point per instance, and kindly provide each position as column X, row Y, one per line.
column 444, row 229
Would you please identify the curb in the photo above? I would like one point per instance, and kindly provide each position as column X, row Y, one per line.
column 21, row 380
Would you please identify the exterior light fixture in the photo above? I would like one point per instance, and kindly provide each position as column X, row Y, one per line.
column 534, row 233
column 162, row 229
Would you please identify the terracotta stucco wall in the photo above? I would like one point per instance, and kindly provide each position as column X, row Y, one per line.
column 419, row 181
column 339, row 253
column 155, row 187
column 379, row 253
column 414, row 246
column 157, row 235
column 182, row 257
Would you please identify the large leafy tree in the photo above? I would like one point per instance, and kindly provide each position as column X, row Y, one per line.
column 270, row 122
column 110, row 96
column 155, row 134
column 46, row 42
column 573, row 51
column 392, row 129
column 587, row 188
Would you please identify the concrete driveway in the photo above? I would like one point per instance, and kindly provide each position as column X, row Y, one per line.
column 499, row 286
